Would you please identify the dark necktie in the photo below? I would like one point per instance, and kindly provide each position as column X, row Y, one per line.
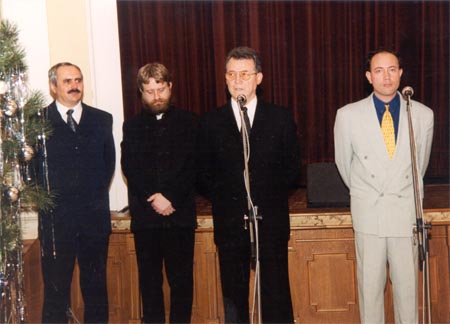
column 70, row 121
column 246, row 121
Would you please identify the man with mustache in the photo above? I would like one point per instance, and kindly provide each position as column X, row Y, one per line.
column 158, row 162
column 80, row 159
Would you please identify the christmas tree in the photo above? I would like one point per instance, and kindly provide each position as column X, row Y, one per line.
column 23, row 132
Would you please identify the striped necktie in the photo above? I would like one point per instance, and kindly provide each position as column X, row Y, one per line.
column 71, row 121
column 387, row 128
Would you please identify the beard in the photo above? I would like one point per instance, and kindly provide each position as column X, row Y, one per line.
column 158, row 106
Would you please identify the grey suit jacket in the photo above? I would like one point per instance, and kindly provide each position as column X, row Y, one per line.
column 381, row 190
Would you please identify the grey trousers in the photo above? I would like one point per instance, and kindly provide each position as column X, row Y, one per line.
column 373, row 253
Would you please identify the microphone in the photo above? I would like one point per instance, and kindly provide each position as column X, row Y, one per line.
column 241, row 99
column 407, row 91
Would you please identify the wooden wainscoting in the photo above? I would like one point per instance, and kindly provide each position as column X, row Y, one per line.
column 322, row 272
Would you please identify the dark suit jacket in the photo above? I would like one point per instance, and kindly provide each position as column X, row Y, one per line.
column 80, row 168
column 159, row 156
column 274, row 167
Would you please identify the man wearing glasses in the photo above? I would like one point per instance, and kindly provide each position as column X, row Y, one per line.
column 273, row 167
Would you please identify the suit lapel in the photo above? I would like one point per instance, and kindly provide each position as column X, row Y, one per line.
column 402, row 149
column 57, row 120
column 229, row 122
column 86, row 123
column 84, row 119
column 374, row 138
column 258, row 120
column 373, row 131
column 54, row 116
column 86, row 127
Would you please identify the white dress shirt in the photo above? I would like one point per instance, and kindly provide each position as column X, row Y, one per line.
column 251, row 110
column 77, row 111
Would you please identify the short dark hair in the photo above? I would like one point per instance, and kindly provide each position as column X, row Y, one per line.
column 52, row 73
column 379, row 50
column 156, row 71
column 244, row 53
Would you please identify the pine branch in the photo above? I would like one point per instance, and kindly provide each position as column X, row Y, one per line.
column 11, row 54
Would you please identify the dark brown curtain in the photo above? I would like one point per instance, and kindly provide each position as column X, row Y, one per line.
column 313, row 57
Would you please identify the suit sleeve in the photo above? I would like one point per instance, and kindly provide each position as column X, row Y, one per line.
column 205, row 175
column 425, row 143
column 180, row 184
column 109, row 151
column 342, row 146
column 291, row 153
column 130, row 165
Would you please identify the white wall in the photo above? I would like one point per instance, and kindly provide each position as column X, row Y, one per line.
column 107, row 85
column 30, row 17
column 84, row 32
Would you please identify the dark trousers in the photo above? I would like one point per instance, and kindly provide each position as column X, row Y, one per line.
column 276, row 304
column 175, row 247
column 57, row 271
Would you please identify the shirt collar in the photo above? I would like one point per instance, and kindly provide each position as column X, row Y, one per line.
column 251, row 110
column 394, row 104
column 77, row 110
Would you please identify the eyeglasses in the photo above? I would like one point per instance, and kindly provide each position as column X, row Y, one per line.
column 243, row 75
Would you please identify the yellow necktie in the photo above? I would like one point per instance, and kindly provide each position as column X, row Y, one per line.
column 387, row 128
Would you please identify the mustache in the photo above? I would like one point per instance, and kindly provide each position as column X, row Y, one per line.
column 74, row 90
column 159, row 101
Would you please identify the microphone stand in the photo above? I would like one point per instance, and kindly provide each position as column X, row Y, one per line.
column 421, row 228
column 251, row 221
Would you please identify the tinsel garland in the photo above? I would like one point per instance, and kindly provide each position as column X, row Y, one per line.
column 23, row 131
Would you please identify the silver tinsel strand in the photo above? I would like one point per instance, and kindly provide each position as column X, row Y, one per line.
column 18, row 177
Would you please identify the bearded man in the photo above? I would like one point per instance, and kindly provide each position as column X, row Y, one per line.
column 158, row 160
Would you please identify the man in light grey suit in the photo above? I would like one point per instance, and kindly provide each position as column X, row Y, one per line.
column 381, row 187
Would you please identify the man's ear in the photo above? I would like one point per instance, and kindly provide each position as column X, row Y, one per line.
column 369, row 76
column 259, row 78
column 52, row 88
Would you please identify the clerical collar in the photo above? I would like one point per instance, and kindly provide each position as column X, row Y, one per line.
column 149, row 114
